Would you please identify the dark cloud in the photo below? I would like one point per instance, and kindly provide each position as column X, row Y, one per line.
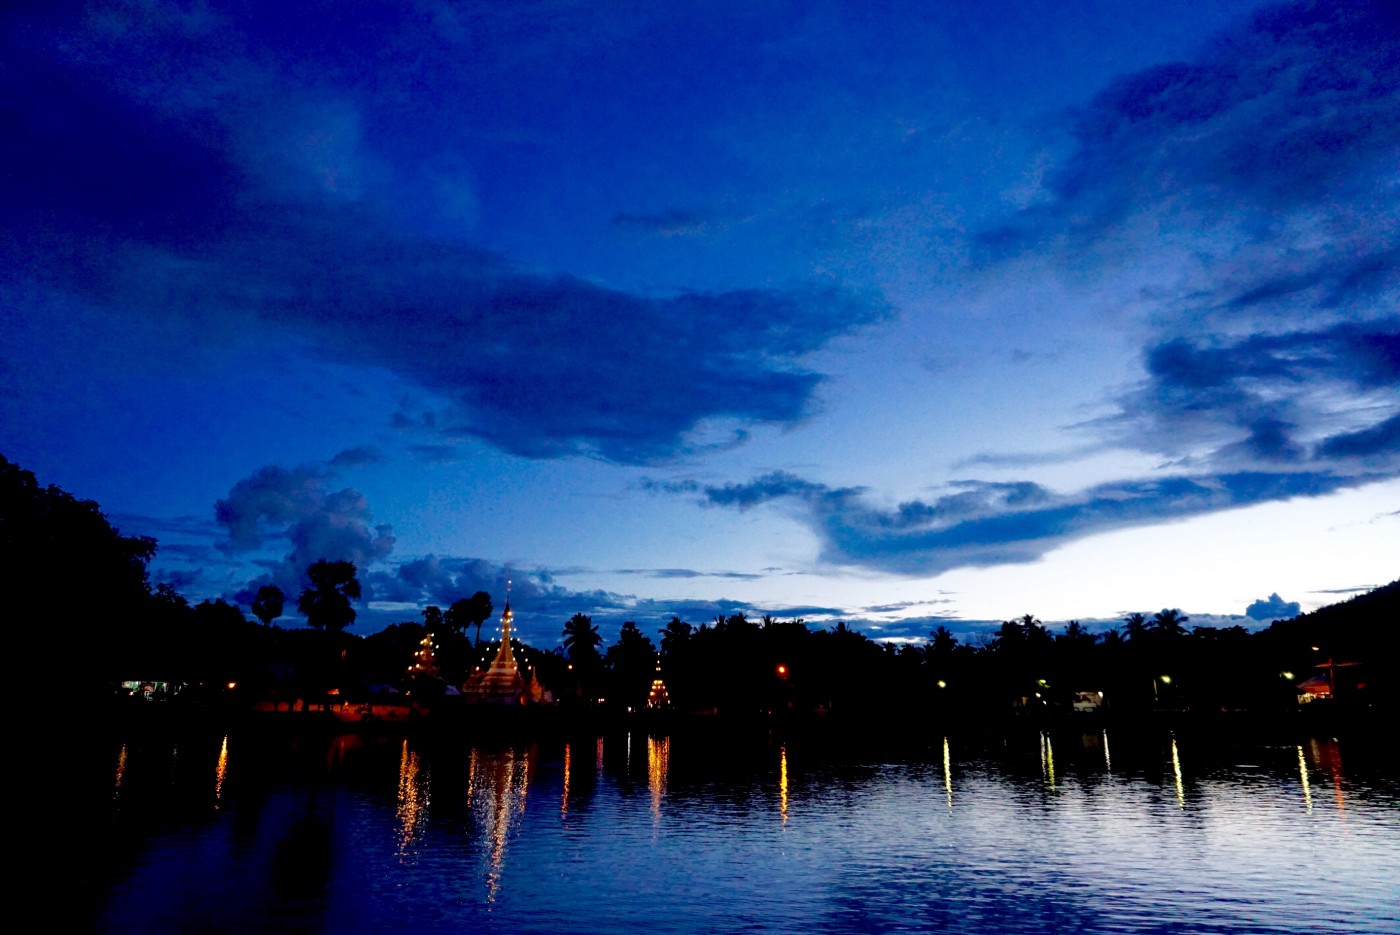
column 1269, row 159
column 1272, row 608
column 999, row 523
column 247, row 198
column 1296, row 106
column 294, row 504
column 1270, row 398
column 357, row 457
column 665, row 223
column 688, row 573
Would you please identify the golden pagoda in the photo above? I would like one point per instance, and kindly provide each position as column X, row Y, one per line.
column 501, row 682
column 658, row 697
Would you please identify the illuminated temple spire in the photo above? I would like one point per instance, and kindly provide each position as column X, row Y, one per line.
column 501, row 683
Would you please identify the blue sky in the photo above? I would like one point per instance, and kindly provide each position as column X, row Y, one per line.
column 898, row 314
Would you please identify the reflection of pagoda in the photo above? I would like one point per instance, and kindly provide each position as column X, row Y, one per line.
column 501, row 683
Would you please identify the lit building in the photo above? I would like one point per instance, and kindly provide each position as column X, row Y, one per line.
column 501, row 683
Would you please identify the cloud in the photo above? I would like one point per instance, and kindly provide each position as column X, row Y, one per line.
column 688, row 573
column 1245, row 202
column 670, row 223
column 252, row 199
column 293, row 504
column 357, row 457
column 982, row 524
column 1322, row 396
column 1294, row 108
column 1273, row 608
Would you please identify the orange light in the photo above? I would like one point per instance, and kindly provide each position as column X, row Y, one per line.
column 782, row 670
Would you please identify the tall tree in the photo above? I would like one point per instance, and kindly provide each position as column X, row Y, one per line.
column 468, row 611
column 677, row 631
column 1170, row 622
column 944, row 642
column 581, row 639
column 1135, row 626
column 326, row 604
column 432, row 618
column 268, row 604
column 631, row 662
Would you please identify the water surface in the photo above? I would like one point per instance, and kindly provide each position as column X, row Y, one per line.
column 1077, row 832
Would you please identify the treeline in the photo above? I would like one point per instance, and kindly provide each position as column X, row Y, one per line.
column 85, row 599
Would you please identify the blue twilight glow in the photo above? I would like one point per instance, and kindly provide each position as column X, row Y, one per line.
column 904, row 314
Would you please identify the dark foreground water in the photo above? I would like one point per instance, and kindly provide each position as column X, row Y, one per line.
column 1073, row 832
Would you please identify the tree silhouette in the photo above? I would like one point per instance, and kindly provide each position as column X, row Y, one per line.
column 1135, row 626
column 326, row 604
column 468, row 611
column 632, row 663
column 267, row 605
column 581, row 639
column 1170, row 622
column 432, row 618
column 676, row 633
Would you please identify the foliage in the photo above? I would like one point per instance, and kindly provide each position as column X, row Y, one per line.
column 326, row 603
column 268, row 604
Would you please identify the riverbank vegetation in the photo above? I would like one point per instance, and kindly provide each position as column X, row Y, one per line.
column 80, row 578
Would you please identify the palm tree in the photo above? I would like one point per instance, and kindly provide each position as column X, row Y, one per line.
column 326, row 604
column 1135, row 626
column 944, row 642
column 1170, row 622
column 267, row 605
column 581, row 639
column 677, row 632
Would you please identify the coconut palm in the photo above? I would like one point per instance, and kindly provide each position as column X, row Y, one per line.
column 581, row 639
column 1170, row 622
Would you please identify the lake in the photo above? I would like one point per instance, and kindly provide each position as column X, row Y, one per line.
column 1067, row 831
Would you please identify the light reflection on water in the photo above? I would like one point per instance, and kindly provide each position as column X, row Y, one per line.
column 1171, row 835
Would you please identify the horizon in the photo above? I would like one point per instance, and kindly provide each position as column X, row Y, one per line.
column 930, row 316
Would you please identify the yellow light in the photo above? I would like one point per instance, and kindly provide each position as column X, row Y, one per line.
column 942, row 684
column 232, row 686
column 1287, row 675
column 1166, row 680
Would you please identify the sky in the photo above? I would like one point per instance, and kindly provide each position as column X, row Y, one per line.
column 900, row 314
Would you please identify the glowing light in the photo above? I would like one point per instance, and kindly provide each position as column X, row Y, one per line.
column 121, row 772
column 232, row 686
column 948, row 772
column 782, row 670
column 412, row 808
column 942, row 684
column 1047, row 759
column 1107, row 760
column 658, row 765
column 1176, row 771
column 782, row 784
column 564, row 800
column 221, row 769
column 1303, row 773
